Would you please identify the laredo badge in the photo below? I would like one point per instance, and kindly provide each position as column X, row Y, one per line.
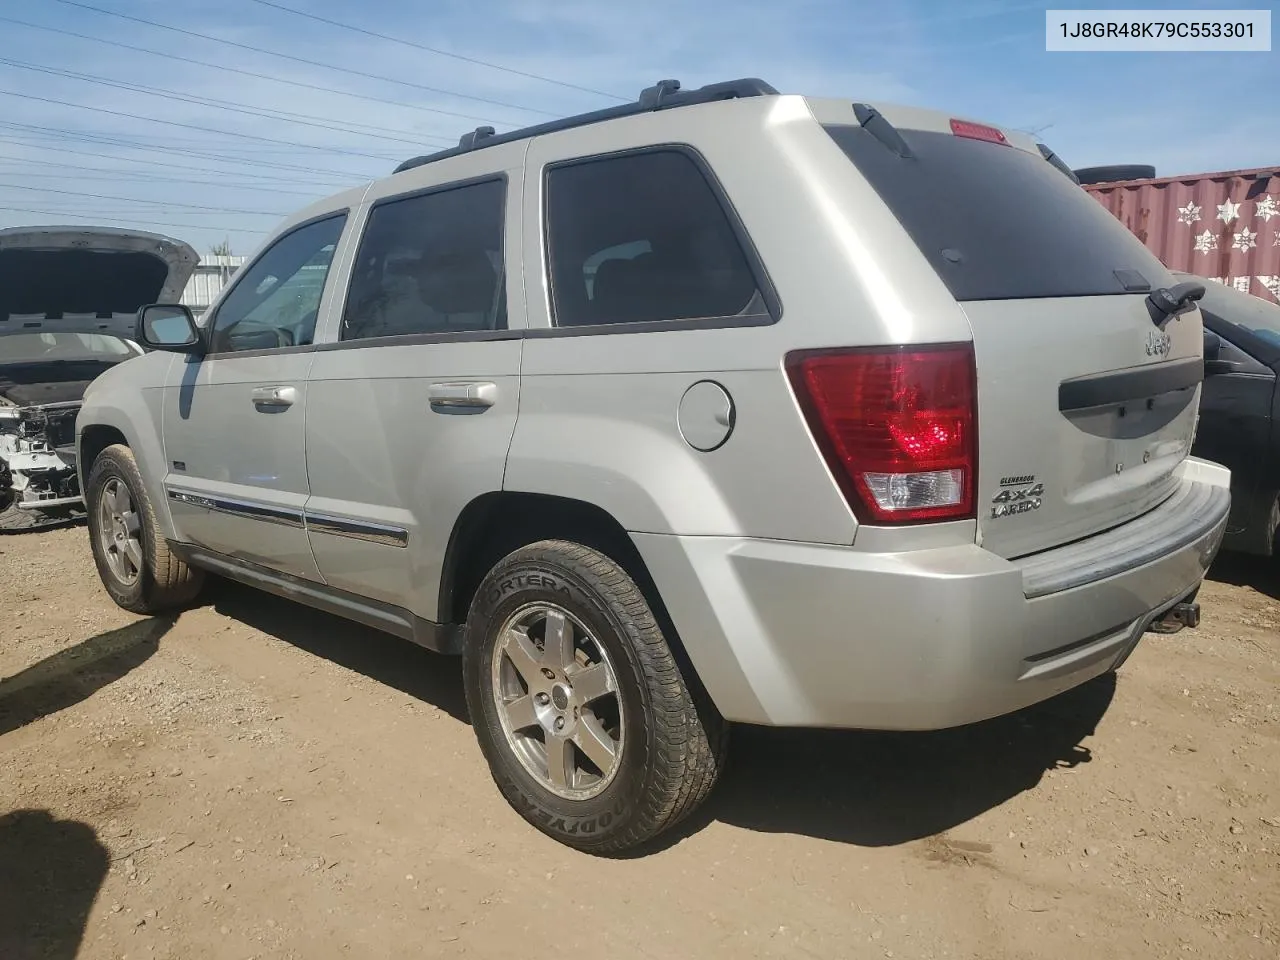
column 1017, row 495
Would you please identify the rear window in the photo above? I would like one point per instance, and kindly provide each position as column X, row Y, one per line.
column 998, row 223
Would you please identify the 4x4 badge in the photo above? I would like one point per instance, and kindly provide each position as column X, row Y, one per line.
column 1017, row 495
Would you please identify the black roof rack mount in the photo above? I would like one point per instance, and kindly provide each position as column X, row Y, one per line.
column 663, row 95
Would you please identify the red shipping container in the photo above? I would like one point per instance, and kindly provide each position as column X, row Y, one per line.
column 1224, row 226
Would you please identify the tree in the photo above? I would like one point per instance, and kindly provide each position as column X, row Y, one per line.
column 222, row 249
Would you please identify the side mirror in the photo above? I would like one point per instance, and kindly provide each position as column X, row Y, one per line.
column 169, row 326
column 1214, row 365
column 1212, row 345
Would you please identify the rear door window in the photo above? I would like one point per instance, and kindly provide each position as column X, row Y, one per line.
column 999, row 223
column 430, row 263
column 641, row 238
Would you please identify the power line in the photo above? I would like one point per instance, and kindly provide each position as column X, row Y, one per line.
column 110, row 141
column 247, row 73
column 191, row 126
column 123, row 176
column 186, row 126
column 81, row 209
column 311, row 63
column 234, row 152
column 246, row 152
column 266, row 113
column 75, row 177
column 435, row 50
column 162, row 203
column 179, row 151
column 135, row 222
column 91, row 138
column 22, row 166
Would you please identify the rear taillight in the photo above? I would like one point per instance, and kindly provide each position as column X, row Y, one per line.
column 898, row 427
column 977, row 131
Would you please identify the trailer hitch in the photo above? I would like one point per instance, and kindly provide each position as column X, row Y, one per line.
column 1185, row 614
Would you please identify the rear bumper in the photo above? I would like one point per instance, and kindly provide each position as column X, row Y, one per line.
column 791, row 634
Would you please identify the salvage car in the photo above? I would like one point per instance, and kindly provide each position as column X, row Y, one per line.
column 69, row 298
column 719, row 406
column 1238, row 409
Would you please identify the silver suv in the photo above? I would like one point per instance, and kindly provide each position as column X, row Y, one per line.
column 723, row 406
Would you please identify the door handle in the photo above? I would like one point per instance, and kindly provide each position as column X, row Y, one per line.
column 473, row 393
column 274, row 397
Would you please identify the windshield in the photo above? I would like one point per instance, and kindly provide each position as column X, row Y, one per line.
column 999, row 223
column 47, row 347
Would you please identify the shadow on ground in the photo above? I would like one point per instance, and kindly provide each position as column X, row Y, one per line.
column 50, row 874
column 882, row 789
column 76, row 673
column 1244, row 570
column 427, row 676
column 14, row 520
column 871, row 789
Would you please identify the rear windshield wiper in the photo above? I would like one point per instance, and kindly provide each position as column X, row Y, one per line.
column 873, row 121
column 1173, row 301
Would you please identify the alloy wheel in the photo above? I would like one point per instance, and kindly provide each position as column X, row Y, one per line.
column 557, row 697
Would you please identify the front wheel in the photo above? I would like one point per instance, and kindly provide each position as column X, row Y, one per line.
column 588, row 726
column 132, row 556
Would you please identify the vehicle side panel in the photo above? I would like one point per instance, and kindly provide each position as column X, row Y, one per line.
column 599, row 405
column 380, row 455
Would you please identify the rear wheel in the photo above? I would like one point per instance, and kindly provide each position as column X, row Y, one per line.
column 582, row 713
column 131, row 554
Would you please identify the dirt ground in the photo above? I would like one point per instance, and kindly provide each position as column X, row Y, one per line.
column 256, row 780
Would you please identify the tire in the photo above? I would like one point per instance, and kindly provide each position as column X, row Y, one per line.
column 159, row 580
column 670, row 743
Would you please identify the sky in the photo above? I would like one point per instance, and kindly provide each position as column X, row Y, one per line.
column 215, row 128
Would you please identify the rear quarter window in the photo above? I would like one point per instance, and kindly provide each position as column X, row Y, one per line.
column 644, row 238
column 999, row 223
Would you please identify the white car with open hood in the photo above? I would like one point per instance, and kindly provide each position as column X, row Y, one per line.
column 69, row 298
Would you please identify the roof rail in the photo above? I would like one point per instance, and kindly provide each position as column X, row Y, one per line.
column 663, row 95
